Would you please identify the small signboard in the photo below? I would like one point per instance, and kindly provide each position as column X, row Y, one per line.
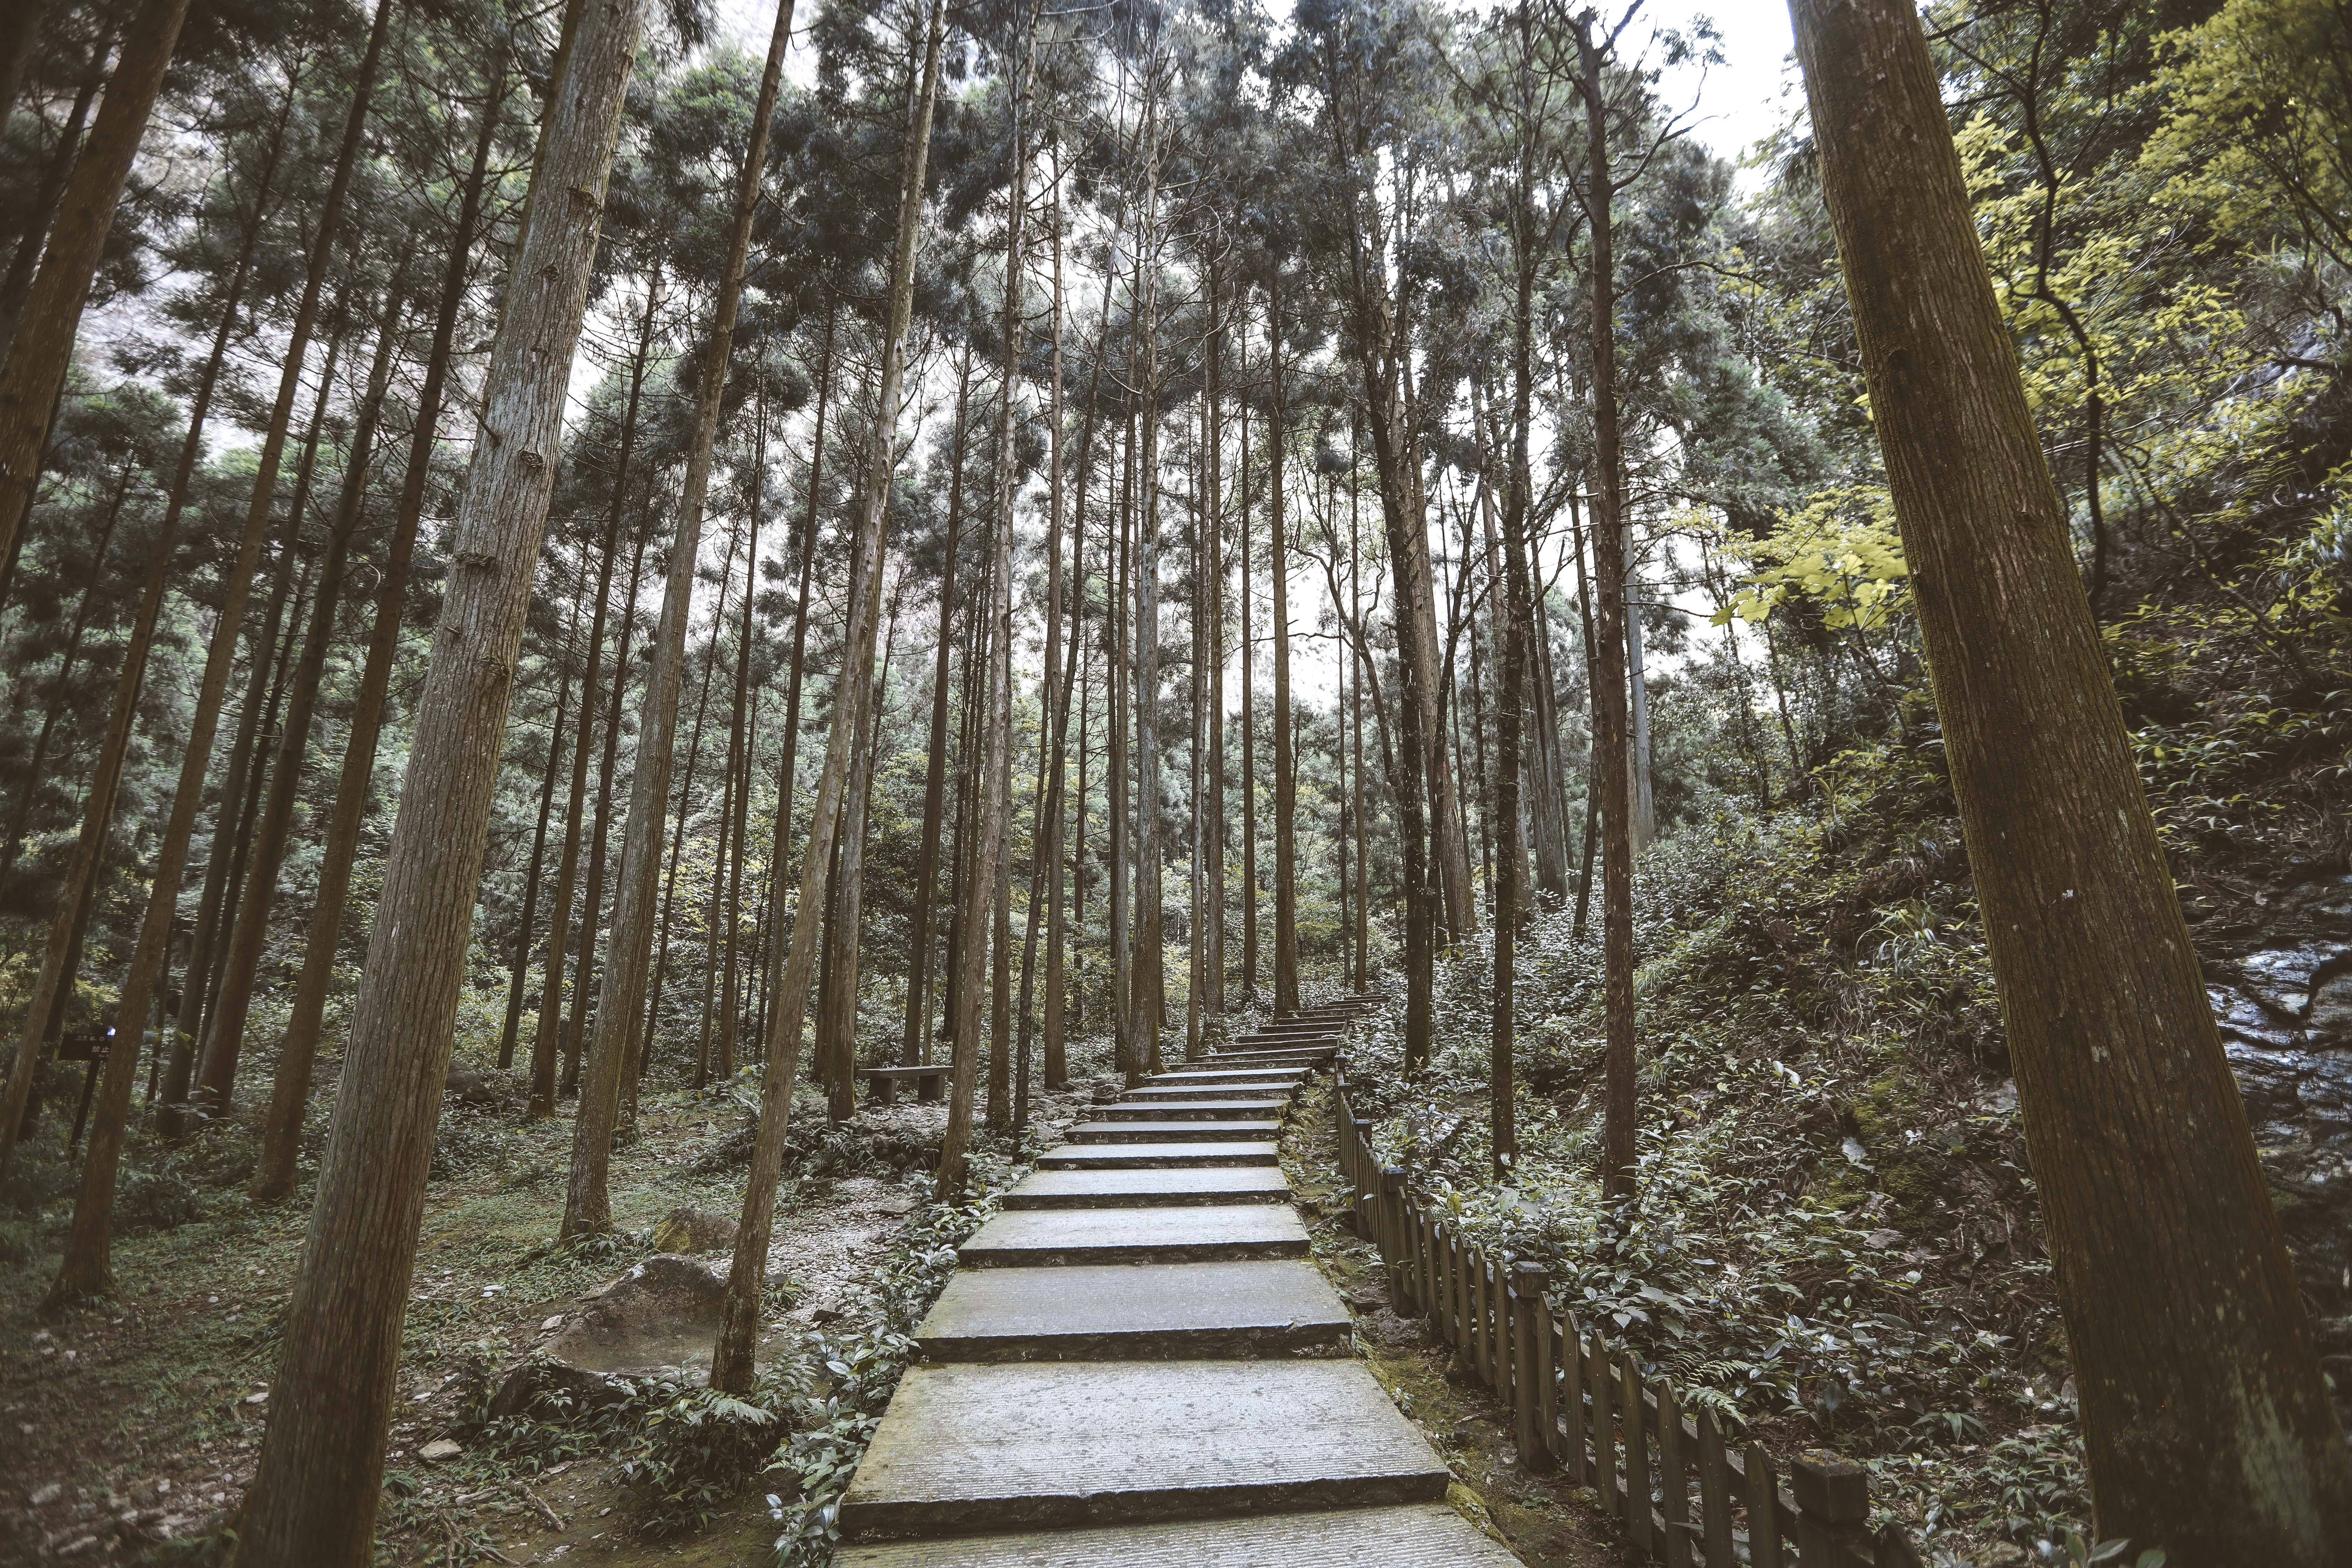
column 85, row 1044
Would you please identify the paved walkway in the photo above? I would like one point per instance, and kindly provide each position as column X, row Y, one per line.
column 1137, row 1362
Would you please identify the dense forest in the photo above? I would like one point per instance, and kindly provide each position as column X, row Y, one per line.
column 570, row 590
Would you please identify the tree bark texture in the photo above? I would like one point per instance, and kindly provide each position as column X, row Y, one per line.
column 2208, row 1428
column 314, row 1502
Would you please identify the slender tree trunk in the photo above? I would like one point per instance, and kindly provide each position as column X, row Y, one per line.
column 1214, row 587
column 587, row 974
column 914, row 1044
column 226, row 856
column 86, row 1269
column 290, row 1090
column 735, row 809
column 314, row 1502
column 1610, row 742
column 1116, row 692
column 1249, row 738
column 47, row 198
column 1285, row 782
column 521, row 967
column 1049, row 850
column 630, row 953
column 546, row 1043
column 66, row 658
column 225, row 1027
column 42, row 348
column 2207, row 1423
column 677, row 832
column 731, row 1359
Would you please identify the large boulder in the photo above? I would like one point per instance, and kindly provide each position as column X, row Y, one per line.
column 660, row 1316
column 690, row 1229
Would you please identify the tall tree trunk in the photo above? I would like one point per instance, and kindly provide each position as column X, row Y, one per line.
column 1610, row 768
column 86, row 1269
column 290, row 1090
column 51, row 192
column 42, row 348
column 1214, row 587
column 1249, row 736
column 1285, row 765
column 735, row 802
column 731, row 1358
column 314, row 1502
column 788, row 762
column 630, row 953
column 528, row 922
column 546, row 1038
column 1119, row 833
column 915, row 1042
column 677, row 832
column 1049, row 850
column 2206, row 1422
column 546, row 1043
column 67, row 657
column 587, row 974
column 225, row 1027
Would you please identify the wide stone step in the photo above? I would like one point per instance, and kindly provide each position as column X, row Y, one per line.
column 1157, row 1156
column 1148, row 1189
column 1099, row 1312
column 1194, row 1110
column 1160, row 1089
column 1419, row 1535
column 965, row 1450
column 1029, row 1239
column 1245, row 1129
column 1275, row 1078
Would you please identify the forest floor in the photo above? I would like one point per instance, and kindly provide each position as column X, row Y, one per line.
column 135, row 1425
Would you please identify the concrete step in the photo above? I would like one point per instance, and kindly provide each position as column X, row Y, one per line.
column 1194, row 1110
column 1051, row 1237
column 965, row 1450
column 1194, row 1077
column 1150, row 1189
column 1271, row 1058
column 1130, row 1312
column 1418, row 1535
column 1159, row 1088
column 1247, row 1129
column 1157, row 1156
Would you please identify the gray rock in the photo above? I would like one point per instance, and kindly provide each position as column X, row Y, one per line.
column 690, row 1229
column 470, row 1087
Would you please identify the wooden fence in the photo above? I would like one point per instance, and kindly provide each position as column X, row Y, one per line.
column 1686, row 1495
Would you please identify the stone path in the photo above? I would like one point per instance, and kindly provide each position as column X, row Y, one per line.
column 1137, row 1363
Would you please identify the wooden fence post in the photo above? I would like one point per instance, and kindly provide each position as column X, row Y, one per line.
column 1714, row 1492
column 1763, row 1510
column 1571, row 1394
column 1637, row 1452
column 1674, row 1479
column 1391, row 1238
column 1531, row 1363
column 1604, row 1437
column 1832, row 1509
column 1359, row 1199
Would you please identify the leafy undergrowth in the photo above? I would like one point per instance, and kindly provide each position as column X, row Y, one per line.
column 1834, row 1241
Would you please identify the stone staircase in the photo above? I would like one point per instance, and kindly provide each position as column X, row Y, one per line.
column 1137, row 1363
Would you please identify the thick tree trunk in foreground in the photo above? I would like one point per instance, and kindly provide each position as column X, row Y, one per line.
column 2207, row 1426
column 738, row 1328
column 314, row 1500
column 629, row 955
column 42, row 348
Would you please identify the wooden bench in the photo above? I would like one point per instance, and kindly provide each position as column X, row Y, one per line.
column 885, row 1081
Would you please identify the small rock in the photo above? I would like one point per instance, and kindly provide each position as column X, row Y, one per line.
column 438, row 1449
column 470, row 1087
column 44, row 1496
column 690, row 1229
column 1885, row 1238
column 551, row 1324
column 260, row 1398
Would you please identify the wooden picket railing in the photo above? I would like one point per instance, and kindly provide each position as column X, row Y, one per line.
column 1687, row 1496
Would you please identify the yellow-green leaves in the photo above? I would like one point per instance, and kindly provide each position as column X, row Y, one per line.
column 1840, row 552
